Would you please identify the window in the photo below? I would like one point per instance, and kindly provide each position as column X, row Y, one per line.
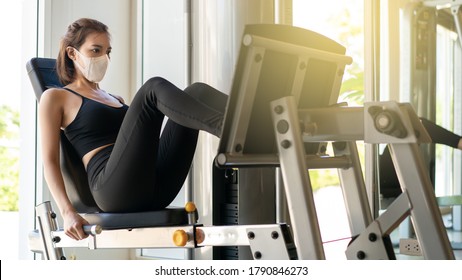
column 10, row 75
column 341, row 21
column 447, row 46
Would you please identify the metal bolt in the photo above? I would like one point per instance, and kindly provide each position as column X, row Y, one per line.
column 247, row 40
column 286, row 144
column 258, row 58
column 56, row 239
column 279, row 109
column 372, row 237
column 251, row 235
column 361, row 255
column 53, row 215
column 63, row 258
column 383, row 121
column 238, row 148
column 275, row 235
column 282, row 126
column 257, row 255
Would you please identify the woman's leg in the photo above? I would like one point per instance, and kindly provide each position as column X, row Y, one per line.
column 175, row 156
column 143, row 171
column 176, row 151
column 184, row 109
column 208, row 95
column 441, row 135
column 172, row 168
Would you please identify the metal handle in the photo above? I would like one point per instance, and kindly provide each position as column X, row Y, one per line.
column 92, row 229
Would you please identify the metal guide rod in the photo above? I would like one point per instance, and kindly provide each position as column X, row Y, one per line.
column 46, row 221
column 272, row 160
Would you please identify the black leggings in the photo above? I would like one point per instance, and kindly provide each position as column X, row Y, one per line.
column 144, row 169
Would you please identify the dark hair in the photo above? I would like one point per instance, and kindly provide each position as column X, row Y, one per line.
column 75, row 36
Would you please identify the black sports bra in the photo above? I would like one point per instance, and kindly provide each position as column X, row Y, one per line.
column 95, row 125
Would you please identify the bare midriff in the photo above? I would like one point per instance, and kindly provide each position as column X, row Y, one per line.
column 88, row 156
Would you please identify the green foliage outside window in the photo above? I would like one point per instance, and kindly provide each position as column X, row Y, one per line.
column 351, row 91
column 9, row 158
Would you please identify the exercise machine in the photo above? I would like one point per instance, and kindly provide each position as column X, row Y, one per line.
column 281, row 108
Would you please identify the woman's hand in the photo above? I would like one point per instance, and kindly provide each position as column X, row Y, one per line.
column 73, row 225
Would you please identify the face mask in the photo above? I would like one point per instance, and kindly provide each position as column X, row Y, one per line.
column 94, row 68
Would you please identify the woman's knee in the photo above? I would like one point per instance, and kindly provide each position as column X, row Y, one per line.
column 153, row 87
column 196, row 88
column 155, row 82
column 206, row 94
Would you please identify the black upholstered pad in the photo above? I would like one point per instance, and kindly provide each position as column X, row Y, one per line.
column 160, row 218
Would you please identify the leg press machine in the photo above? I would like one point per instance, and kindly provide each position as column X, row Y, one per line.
column 283, row 101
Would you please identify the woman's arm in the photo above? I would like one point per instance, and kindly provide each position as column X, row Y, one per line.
column 51, row 112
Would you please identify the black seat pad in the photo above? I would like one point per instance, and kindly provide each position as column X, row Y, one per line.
column 165, row 217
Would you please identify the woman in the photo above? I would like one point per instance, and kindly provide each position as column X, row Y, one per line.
column 130, row 165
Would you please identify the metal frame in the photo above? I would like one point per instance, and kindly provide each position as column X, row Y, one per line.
column 267, row 242
column 256, row 51
column 383, row 122
column 378, row 122
column 454, row 5
column 297, row 184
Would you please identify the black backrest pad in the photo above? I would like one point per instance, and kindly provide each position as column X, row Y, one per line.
column 275, row 81
column 42, row 74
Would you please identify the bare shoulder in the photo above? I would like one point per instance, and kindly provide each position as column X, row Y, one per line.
column 58, row 96
column 57, row 99
column 52, row 94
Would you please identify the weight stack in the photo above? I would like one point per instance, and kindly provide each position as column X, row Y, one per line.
column 242, row 196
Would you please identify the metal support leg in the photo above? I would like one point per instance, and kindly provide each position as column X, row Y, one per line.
column 354, row 189
column 370, row 245
column 42, row 240
column 426, row 217
column 419, row 201
column 398, row 125
column 374, row 243
column 297, row 184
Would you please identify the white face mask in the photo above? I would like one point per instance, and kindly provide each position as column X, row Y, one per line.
column 94, row 68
